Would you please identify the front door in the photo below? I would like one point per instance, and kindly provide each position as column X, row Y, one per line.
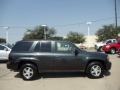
column 65, row 58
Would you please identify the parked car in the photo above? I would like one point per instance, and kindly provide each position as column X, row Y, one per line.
column 4, row 52
column 33, row 57
column 99, row 45
column 111, row 48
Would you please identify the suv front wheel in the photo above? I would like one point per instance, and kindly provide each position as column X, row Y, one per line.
column 28, row 71
column 95, row 70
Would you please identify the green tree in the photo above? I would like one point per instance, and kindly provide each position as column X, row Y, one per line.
column 75, row 37
column 107, row 32
column 56, row 38
column 2, row 40
column 38, row 33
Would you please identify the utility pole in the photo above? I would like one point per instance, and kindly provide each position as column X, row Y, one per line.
column 44, row 27
column 115, row 14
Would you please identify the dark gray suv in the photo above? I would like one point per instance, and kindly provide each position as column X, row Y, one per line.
column 33, row 57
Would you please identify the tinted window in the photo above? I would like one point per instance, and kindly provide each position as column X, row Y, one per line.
column 2, row 47
column 45, row 47
column 22, row 46
column 108, row 42
column 63, row 47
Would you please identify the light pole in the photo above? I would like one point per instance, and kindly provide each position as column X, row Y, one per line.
column 44, row 31
column 88, row 33
column 6, row 28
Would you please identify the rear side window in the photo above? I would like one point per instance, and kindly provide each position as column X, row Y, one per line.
column 43, row 47
column 22, row 46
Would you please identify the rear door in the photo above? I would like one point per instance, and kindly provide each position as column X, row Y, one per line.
column 44, row 53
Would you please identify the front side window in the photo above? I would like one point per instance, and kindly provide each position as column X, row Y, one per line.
column 22, row 46
column 63, row 47
column 114, row 41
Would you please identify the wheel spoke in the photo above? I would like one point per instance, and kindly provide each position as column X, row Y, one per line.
column 95, row 70
column 28, row 72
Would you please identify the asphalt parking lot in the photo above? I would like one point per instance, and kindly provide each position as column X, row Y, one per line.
column 62, row 81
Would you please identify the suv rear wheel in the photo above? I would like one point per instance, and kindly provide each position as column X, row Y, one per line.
column 95, row 70
column 28, row 71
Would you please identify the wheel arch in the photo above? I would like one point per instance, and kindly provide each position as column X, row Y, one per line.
column 22, row 62
column 113, row 48
column 95, row 60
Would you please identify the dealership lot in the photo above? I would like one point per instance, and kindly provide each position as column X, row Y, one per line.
column 62, row 81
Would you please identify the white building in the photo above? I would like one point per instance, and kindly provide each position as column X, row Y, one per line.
column 89, row 42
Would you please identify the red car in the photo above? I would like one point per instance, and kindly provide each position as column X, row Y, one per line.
column 111, row 48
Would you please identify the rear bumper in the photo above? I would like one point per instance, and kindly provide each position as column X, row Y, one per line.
column 12, row 66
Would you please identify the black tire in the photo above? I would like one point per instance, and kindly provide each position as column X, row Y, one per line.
column 33, row 71
column 100, row 49
column 90, row 73
column 112, row 50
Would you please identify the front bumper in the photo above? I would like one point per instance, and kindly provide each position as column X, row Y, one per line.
column 108, row 65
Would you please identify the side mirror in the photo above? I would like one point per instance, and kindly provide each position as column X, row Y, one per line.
column 76, row 52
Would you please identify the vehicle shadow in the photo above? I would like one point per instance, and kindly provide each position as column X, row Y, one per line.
column 118, row 56
column 61, row 75
column 108, row 73
column 3, row 61
column 56, row 75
